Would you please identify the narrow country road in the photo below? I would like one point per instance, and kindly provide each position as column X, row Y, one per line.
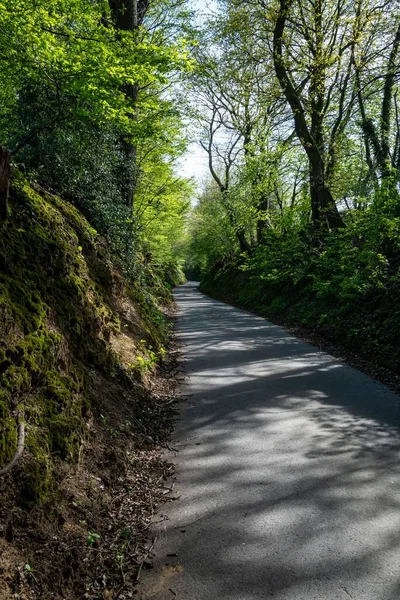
column 288, row 470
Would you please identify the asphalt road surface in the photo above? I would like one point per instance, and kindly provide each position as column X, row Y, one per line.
column 288, row 470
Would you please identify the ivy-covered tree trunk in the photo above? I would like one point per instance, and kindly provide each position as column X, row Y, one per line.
column 262, row 221
column 239, row 230
column 323, row 206
column 128, row 16
column 4, row 181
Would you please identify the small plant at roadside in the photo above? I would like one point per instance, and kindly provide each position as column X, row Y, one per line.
column 146, row 358
column 92, row 537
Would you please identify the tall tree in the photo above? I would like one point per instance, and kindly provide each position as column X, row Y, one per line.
column 128, row 16
column 237, row 113
column 315, row 55
column 376, row 66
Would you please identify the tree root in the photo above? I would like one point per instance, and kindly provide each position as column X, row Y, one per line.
column 19, row 451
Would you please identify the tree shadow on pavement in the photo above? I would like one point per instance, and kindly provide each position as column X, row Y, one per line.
column 288, row 464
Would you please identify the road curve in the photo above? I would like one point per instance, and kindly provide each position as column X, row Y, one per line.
column 288, row 470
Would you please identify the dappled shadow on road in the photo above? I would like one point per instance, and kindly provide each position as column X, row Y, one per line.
column 290, row 465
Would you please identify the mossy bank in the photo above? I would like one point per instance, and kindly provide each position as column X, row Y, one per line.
column 74, row 336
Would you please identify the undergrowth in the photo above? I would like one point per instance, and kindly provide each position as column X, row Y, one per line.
column 346, row 286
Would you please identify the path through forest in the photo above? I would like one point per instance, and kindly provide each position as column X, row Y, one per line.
column 288, row 470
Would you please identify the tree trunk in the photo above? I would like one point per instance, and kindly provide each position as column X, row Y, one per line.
column 243, row 243
column 261, row 226
column 128, row 16
column 262, row 223
column 390, row 78
column 323, row 206
column 125, row 12
column 239, row 231
column 380, row 144
column 4, row 182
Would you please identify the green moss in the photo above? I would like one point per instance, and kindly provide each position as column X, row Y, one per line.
column 8, row 433
column 35, row 481
column 56, row 320
column 66, row 434
column 55, row 317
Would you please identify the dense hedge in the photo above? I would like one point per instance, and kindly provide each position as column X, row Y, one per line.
column 346, row 285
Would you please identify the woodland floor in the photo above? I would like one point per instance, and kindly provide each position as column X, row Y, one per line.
column 93, row 542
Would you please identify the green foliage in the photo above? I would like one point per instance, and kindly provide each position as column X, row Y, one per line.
column 210, row 237
column 160, row 211
column 346, row 283
column 302, row 139
column 66, row 113
column 86, row 112
column 146, row 358
column 59, row 54
column 92, row 537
